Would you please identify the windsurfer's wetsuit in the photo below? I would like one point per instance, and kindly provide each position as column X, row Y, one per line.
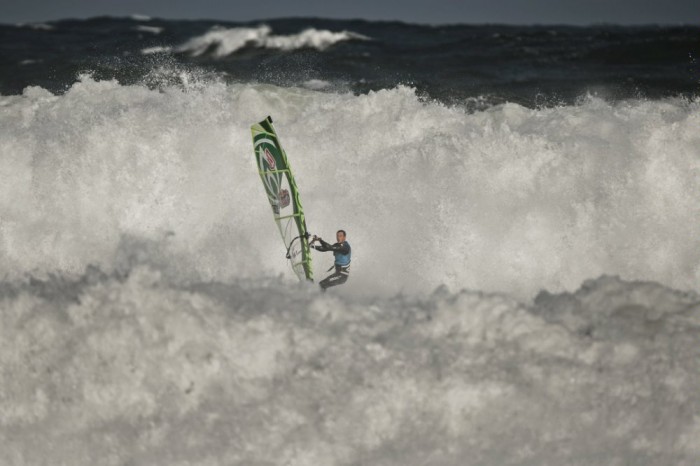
column 342, row 254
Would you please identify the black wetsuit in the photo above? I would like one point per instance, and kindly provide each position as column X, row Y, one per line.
column 342, row 272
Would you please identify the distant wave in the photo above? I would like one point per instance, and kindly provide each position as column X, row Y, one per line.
column 138, row 17
column 150, row 29
column 37, row 26
column 156, row 49
column 221, row 42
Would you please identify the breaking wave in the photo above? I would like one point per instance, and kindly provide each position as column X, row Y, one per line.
column 221, row 42
column 37, row 26
column 507, row 199
column 149, row 29
column 146, row 316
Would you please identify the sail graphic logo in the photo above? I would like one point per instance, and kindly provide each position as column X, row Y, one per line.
column 271, row 179
column 270, row 159
column 283, row 198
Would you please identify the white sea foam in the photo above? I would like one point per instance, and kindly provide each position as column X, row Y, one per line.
column 156, row 49
column 143, row 364
column 37, row 26
column 139, row 17
column 316, row 84
column 225, row 41
column 141, row 370
column 149, row 29
column 508, row 199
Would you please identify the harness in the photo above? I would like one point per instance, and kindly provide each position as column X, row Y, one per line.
column 345, row 270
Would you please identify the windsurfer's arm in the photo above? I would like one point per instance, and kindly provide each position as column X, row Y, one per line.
column 342, row 248
column 323, row 247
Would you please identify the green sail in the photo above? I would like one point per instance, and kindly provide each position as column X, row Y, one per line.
column 283, row 194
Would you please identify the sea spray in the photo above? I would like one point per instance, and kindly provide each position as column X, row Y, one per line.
column 506, row 199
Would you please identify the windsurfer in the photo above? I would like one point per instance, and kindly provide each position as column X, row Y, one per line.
column 341, row 251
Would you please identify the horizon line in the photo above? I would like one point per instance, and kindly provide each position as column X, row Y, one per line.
column 142, row 18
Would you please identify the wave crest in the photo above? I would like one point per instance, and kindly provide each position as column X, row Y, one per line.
column 221, row 42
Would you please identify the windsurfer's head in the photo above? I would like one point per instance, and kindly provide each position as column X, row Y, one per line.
column 340, row 236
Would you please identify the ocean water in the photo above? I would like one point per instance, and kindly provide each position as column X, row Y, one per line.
column 522, row 204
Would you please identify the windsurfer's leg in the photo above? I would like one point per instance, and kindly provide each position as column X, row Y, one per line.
column 334, row 279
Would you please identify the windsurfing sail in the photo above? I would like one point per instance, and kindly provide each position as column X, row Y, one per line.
column 283, row 194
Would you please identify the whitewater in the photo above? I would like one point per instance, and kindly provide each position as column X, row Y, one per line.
column 222, row 42
column 522, row 289
column 508, row 199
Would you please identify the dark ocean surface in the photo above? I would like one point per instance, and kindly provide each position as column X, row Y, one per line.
column 530, row 65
